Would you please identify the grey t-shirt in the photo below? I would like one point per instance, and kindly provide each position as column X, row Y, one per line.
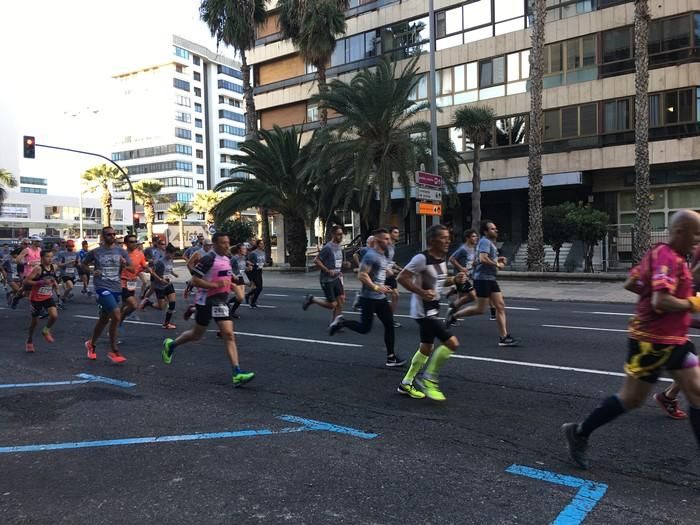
column 108, row 261
column 390, row 252
column 375, row 264
column 429, row 274
column 486, row 272
column 331, row 255
column 163, row 268
column 465, row 256
column 257, row 257
column 70, row 260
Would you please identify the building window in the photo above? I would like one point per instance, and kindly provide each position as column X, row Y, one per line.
column 669, row 34
column 230, row 86
column 198, row 123
column 170, row 165
column 510, row 131
column 571, row 122
column 182, row 100
column 231, row 130
column 616, row 115
column 558, row 9
column 14, row 211
column 152, row 152
column 197, row 76
column 492, row 72
column 199, row 139
column 230, row 115
column 181, row 116
column 197, row 92
column 200, row 169
column 570, row 61
column 181, row 84
column 229, row 144
column 160, row 215
column 200, row 184
column 552, row 127
column 182, row 53
column 200, row 154
column 197, row 107
column 195, row 60
column 179, row 68
column 617, row 44
column 183, row 133
column 312, row 112
column 33, row 180
column 225, row 70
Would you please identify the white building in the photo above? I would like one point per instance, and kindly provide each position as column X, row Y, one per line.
column 180, row 121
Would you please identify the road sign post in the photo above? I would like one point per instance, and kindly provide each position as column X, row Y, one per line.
column 428, row 200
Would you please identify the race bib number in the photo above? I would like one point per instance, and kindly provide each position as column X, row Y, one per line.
column 432, row 312
column 131, row 285
column 339, row 264
column 111, row 273
column 69, row 270
column 45, row 290
column 219, row 310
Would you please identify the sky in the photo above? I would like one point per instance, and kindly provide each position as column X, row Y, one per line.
column 58, row 59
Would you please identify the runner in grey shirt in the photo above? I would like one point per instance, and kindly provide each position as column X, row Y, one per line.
column 330, row 263
column 463, row 261
column 257, row 259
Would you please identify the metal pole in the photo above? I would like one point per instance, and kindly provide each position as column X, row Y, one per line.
column 433, row 95
column 124, row 174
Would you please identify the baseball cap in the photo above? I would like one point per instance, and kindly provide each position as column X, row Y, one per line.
column 34, row 238
column 70, row 242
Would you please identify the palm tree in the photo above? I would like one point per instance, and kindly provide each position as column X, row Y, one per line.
column 205, row 202
column 146, row 193
column 476, row 123
column 178, row 212
column 642, row 195
column 535, row 239
column 6, row 180
column 280, row 166
column 313, row 28
column 101, row 178
column 378, row 134
column 234, row 23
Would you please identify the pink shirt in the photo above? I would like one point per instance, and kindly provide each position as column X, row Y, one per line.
column 32, row 259
column 213, row 267
column 661, row 269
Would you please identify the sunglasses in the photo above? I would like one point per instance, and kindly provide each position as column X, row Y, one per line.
column 109, row 234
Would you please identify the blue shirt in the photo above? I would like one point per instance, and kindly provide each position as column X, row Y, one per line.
column 375, row 264
column 108, row 261
column 331, row 255
column 486, row 272
column 465, row 256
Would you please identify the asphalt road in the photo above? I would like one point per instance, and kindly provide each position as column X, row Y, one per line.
column 492, row 454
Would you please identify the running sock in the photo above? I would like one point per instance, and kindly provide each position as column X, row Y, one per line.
column 608, row 410
column 440, row 355
column 234, row 305
column 418, row 361
column 169, row 313
column 236, row 370
column 694, row 416
column 493, row 312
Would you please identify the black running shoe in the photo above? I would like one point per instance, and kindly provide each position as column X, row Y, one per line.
column 492, row 317
column 189, row 312
column 508, row 340
column 308, row 300
column 393, row 361
column 450, row 318
column 578, row 445
column 336, row 325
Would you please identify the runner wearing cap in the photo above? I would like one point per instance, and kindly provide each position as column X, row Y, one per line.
column 67, row 261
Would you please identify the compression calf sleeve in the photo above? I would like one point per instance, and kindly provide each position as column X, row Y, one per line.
column 418, row 361
column 694, row 417
column 608, row 410
column 440, row 355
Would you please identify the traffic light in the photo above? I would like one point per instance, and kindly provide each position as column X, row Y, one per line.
column 137, row 221
column 29, row 147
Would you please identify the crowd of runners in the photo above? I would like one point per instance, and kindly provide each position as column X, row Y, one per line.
column 222, row 277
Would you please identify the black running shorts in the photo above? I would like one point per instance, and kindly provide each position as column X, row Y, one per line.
column 645, row 361
column 217, row 311
column 431, row 328
column 40, row 306
column 163, row 293
column 333, row 289
column 465, row 287
column 391, row 282
column 485, row 288
column 66, row 278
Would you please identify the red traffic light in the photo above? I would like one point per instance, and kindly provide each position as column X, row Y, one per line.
column 29, row 147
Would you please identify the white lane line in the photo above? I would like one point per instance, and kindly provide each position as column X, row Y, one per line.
column 395, row 315
column 551, row 367
column 248, row 334
column 275, row 295
column 603, row 313
column 593, row 328
column 507, row 307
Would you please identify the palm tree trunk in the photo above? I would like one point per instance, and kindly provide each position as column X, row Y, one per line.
column 296, row 241
column 150, row 214
column 181, row 225
column 251, row 118
column 642, row 195
column 476, row 187
column 535, row 238
column 265, row 230
column 322, row 88
column 106, row 207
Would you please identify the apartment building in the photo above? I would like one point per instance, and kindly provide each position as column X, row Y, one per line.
column 181, row 120
column 483, row 58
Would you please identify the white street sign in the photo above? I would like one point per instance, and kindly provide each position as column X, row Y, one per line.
column 428, row 194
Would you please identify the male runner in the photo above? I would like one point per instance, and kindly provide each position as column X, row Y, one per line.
column 487, row 289
column 153, row 254
column 13, row 278
column 82, row 274
column 330, row 262
column 257, row 260
column 373, row 297
column 165, row 291
column 108, row 260
column 393, row 270
column 130, row 276
column 658, row 336
column 239, row 265
column 426, row 277
column 463, row 261
column 357, row 258
column 67, row 260
column 191, row 264
column 212, row 277
column 43, row 281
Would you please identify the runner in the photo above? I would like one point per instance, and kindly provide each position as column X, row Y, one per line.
column 463, row 261
column 212, row 277
column 82, row 274
column 330, row 261
column 162, row 275
column 191, row 264
column 130, row 276
column 257, row 260
column 658, row 336
column 153, row 254
column 427, row 278
column 108, row 260
column 373, row 297
column 13, row 279
column 357, row 258
column 67, row 260
column 487, row 290
column 43, row 282
column 16, row 269
column 239, row 265
column 393, row 270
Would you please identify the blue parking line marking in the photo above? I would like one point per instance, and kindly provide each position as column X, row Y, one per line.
column 588, row 495
column 84, row 378
column 308, row 425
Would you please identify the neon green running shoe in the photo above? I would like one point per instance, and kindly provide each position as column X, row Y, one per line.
column 431, row 389
column 167, row 353
column 241, row 378
column 410, row 390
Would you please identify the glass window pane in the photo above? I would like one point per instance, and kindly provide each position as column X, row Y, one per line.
column 510, row 26
column 589, row 45
column 472, row 76
column 485, row 73
column 569, row 122
column 450, row 41
column 654, row 111
column 478, row 34
column 477, row 14
column 610, row 116
column 507, row 9
column 655, row 36
column 588, row 117
column 513, row 67
column 453, row 20
column 555, row 59
column 423, row 87
column 616, row 44
column 440, row 24
column 371, row 42
column 685, row 105
column 502, row 132
column 676, row 33
column 687, row 197
column 355, row 47
column 657, row 220
column 573, row 54
column 551, row 125
column 658, row 200
column 338, row 56
column 446, row 85
column 518, row 129
column 623, row 114
column 525, row 63
column 627, row 201
column 671, row 107
column 499, row 70
column 459, row 80
column 456, row 138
